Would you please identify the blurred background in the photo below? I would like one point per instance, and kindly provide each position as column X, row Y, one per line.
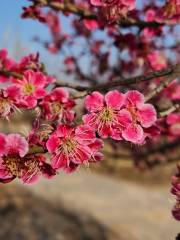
column 110, row 201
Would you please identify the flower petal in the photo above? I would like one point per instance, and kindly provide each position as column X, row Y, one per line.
column 133, row 98
column 52, row 143
column 94, row 102
column 16, row 144
column 114, row 99
column 2, row 144
column 84, row 134
column 147, row 115
column 124, row 118
column 133, row 133
column 90, row 120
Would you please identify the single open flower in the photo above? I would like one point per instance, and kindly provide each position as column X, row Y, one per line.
column 103, row 113
column 58, row 105
column 71, row 147
column 32, row 87
column 135, row 117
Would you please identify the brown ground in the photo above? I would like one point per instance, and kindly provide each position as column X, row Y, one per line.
column 86, row 206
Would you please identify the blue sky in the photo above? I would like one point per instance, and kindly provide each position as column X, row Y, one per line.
column 13, row 30
column 19, row 33
column 12, row 26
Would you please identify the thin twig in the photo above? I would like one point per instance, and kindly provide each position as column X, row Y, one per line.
column 172, row 109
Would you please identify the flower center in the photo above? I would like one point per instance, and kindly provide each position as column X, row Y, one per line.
column 29, row 88
column 107, row 115
column 56, row 108
column 13, row 165
column 69, row 145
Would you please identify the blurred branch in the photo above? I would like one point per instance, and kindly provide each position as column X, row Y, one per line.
column 86, row 14
column 7, row 73
column 162, row 148
column 172, row 109
column 165, row 82
column 170, row 72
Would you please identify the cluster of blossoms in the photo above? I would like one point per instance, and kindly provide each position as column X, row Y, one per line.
column 116, row 115
column 120, row 116
column 16, row 162
column 114, row 9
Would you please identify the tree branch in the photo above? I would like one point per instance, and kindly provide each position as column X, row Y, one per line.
column 171, row 72
column 86, row 14
column 165, row 82
column 172, row 109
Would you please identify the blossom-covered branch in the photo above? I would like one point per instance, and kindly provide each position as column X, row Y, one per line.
column 169, row 73
column 83, row 13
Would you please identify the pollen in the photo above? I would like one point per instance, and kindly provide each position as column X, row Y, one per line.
column 69, row 145
column 13, row 165
column 56, row 107
column 107, row 115
column 29, row 88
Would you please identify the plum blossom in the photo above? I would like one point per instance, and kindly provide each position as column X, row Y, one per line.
column 90, row 24
column 173, row 90
column 136, row 117
column 71, row 147
column 5, row 63
column 32, row 87
column 15, row 162
column 150, row 32
column 115, row 8
column 103, row 113
column 8, row 101
column 170, row 11
column 173, row 121
column 15, row 147
column 57, row 105
column 157, row 60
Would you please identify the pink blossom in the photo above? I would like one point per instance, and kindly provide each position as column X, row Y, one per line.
column 71, row 147
column 32, row 87
column 173, row 120
column 171, row 12
column 5, row 63
column 34, row 167
column 90, row 24
column 173, row 90
column 57, row 105
column 16, row 162
column 114, row 9
column 150, row 32
column 157, row 60
column 103, row 113
column 2, row 144
column 14, row 148
column 8, row 101
column 136, row 117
